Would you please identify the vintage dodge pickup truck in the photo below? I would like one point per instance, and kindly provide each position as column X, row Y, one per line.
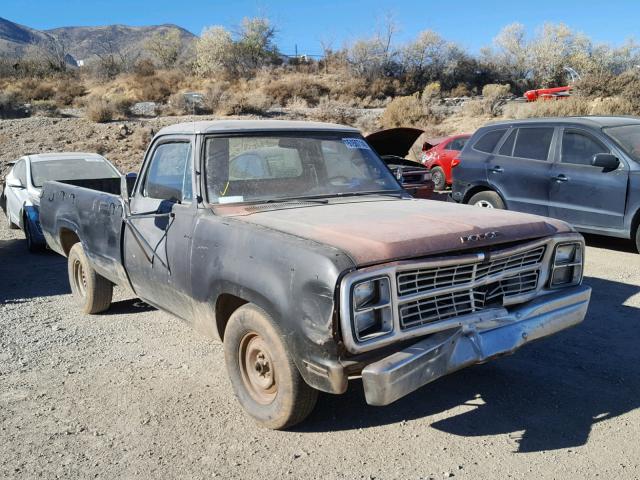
column 293, row 244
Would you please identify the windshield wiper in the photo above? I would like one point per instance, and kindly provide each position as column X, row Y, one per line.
column 394, row 194
column 320, row 201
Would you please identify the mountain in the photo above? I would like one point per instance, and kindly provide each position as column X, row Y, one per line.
column 15, row 38
column 83, row 42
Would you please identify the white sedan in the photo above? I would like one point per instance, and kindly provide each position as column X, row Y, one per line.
column 23, row 185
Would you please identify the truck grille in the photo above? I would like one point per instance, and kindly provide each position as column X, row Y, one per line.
column 450, row 291
column 423, row 280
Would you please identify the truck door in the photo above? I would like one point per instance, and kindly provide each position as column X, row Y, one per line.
column 520, row 169
column 157, row 242
column 584, row 195
column 16, row 195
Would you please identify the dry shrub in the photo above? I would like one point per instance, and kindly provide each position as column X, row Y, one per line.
column 45, row 108
column 30, row 89
column 141, row 138
column 104, row 109
column 612, row 106
column 10, row 105
column 461, row 90
column 351, row 87
column 289, row 86
column 157, row 88
column 405, row 112
column 239, row 103
column 431, row 92
column 331, row 111
column 68, row 90
column 494, row 97
column 297, row 103
column 144, row 68
column 381, row 88
column 216, row 95
column 623, row 87
column 178, row 105
column 571, row 106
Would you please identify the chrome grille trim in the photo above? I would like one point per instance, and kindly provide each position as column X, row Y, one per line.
column 422, row 280
column 486, row 284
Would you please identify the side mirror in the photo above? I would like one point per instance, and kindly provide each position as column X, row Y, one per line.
column 15, row 183
column 607, row 161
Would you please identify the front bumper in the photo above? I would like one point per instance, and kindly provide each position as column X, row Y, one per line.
column 481, row 337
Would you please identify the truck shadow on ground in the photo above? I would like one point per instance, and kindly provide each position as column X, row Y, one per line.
column 547, row 396
column 611, row 243
column 25, row 275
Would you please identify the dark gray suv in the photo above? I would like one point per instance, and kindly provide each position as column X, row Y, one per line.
column 584, row 170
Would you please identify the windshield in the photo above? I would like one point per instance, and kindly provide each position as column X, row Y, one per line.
column 290, row 165
column 71, row 169
column 628, row 137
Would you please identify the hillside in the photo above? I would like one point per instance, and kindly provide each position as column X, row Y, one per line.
column 82, row 42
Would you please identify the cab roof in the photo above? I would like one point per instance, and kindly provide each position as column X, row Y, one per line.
column 587, row 121
column 240, row 126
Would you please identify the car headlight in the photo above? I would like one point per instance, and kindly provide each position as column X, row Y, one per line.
column 567, row 265
column 371, row 308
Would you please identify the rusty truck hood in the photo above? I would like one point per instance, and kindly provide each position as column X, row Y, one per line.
column 372, row 232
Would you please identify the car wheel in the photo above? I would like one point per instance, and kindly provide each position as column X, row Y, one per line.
column 265, row 380
column 638, row 238
column 92, row 292
column 438, row 177
column 32, row 246
column 487, row 199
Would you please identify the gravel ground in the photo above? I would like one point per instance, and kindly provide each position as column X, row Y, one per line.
column 137, row 394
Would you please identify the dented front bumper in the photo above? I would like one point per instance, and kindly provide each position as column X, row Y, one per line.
column 486, row 335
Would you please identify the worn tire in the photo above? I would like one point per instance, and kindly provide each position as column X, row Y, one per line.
column 439, row 178
column 487, row 199
column 91, row 291
column 265, row 380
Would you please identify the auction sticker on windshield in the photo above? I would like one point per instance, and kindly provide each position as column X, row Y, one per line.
column 356, row 143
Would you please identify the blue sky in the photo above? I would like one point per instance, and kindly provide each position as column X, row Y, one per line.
column 471, row 23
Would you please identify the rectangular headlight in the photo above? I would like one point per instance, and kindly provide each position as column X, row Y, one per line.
column 371, row 309
column 567, row 265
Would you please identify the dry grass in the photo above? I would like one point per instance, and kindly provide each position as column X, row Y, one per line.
column 408, row 111
column 306, row 87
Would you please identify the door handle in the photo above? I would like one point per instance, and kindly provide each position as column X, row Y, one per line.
column 561, row 178
column 497, row 169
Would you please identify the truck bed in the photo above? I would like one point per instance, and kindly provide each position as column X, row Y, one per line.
column 91, row 210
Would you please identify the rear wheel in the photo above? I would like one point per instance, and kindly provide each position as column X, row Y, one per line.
column 487, row 199
column 91, row 291
column 266, row 382
column 439, row 178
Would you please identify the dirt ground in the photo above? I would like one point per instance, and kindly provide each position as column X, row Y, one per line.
column 135, row 393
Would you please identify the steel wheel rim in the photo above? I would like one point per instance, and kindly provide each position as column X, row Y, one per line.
column 79, row 278
column 437, row 178
column 257, row 369
column 483, row 204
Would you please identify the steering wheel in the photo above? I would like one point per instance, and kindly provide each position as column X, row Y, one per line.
column 338, row 177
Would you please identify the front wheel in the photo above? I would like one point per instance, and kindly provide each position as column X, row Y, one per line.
column 32, row 246
column 266, row 382
column 487, row 199
column 92, row 292
column 439, row 178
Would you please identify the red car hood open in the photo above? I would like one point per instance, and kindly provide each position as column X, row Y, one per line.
column 378, row 231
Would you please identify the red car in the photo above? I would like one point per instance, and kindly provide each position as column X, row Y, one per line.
column 438, row 158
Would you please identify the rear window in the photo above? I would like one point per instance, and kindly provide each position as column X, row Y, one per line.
column 487, row 143
column 533, row 143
